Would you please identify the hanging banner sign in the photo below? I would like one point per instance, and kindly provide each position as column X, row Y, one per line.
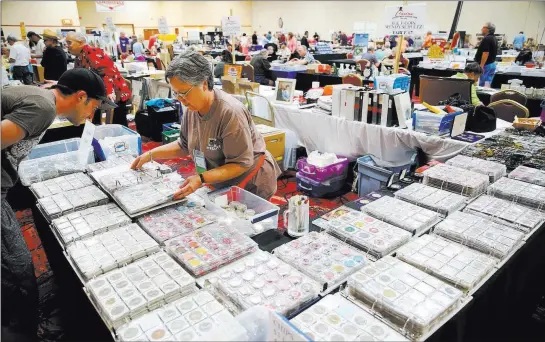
column 110, row 6
column 405, row 20
column 230, row 26
column 163, row 25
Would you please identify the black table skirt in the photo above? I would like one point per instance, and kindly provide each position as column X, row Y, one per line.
column 528, row 81
column 417, row 71
column 325, row 58
column 533, row 105
column 338, row 62
column 304, row 80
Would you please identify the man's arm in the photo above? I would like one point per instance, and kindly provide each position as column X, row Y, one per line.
column 11, row 133
column 12, row 55
column 484, row 58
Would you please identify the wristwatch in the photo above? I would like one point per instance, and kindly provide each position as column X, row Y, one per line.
column 202, row 178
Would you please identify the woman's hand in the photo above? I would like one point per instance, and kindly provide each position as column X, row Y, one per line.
column 189, row 186
column 141, row 160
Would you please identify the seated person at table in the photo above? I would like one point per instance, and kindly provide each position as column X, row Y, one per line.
column 271, row 48
column 284, row 52
column 472, row 71
column 262, row 68
column 402, row 59
column 370, row 56
column 226, row 58
column 304, row 56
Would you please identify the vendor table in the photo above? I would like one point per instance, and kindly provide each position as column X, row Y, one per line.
column 528, row 81
column 325, row 58
column 304, row 80
column 342, row 61
column 533, row 105
column 416, row 71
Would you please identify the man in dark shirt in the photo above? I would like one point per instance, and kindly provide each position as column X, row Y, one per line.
column 254, row 38
column 262, row 68
column 486, row 54
column 54, row 57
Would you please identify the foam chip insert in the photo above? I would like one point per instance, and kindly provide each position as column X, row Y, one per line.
column 61, row 184
column 441, row 201
column 460, row 181
column 90, row 221
column 139, row 287
column 492, row 169
column 209, row 248
column 407, row 216
column 528, row 175
column 72, row 200
column 456, row 264
column 143, row 196
column 335, row 318
column 191, row 318
column 506, row 212
column 479, row 233
column 527, row 194
column 266, row 280
column 104, row 252
column 322, row 257
column 404, row 295
column 172, row 222
column 376, row 237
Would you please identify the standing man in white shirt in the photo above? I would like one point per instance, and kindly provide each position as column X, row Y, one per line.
column 37, row 46
column 19, row 57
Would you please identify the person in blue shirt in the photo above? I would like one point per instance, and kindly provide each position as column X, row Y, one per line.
column 518, row 41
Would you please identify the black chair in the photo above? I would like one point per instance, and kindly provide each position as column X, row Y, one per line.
column 434, row 89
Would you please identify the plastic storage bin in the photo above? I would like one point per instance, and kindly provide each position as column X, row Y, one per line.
column 373, row 177
column 428, row 122
column 263, row 209
column 391, row 82
column 319, row 189
column 321, row 174
column 114, row 140
column 170, row 136
column 52, row 160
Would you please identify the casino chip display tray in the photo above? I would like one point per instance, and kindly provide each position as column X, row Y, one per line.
column 60, row 184
column 441, row 201
column 460, row 181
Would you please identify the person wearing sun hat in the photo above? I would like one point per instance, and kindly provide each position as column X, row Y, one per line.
column 54, row 59
column 27, row 112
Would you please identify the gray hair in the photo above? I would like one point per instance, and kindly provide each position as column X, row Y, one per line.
column 80, row 37
column 387, row 45
column 191, row 67
column 370, row 49
column 263, row 52
column 491, row 27
column 303, row 47
column 11, row 38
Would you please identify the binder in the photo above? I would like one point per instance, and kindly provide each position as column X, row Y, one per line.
column 402, row 104
column 348, row 98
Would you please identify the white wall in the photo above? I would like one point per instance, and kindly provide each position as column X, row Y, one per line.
column 36, row 16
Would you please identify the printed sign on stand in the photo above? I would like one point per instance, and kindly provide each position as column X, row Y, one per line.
column 230, row 26
column 405, row 20
column 163, row 26
column 110, row 24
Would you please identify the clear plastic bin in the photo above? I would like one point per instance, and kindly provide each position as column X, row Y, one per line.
column 321, row 174
column 263, row 208
column 373, row 177
column 53, row 160
column 113, row 140
column 319, row 189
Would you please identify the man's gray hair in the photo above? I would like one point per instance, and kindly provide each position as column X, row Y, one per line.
column 263, row 52
column 80, row 37
column 11, row 38
column 191, row 67
column 304, row 47
column 371, row 49
column 491, row 27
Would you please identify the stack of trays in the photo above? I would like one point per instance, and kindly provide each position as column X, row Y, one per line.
column 479, row 233
column 435, row 199
column 139, row 287
column 369, row 234
column 112, row 162
column 90, row 221
column 104, row 252
column 334, row 318
column 172, row 222
column 492, row 169
column 73, row 200
column 322, row 257
column 266, row 280
column 61, row 184
column 187, row 319
column 460, row 181
column 143, row 196
column 527, row 194
column 528, row 175
column 404, row 295
column 404, row 215
column 447, row 260
column 506, row 212
column 209, row 248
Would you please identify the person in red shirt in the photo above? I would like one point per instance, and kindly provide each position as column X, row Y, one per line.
column 152, row 41
column 95, row 59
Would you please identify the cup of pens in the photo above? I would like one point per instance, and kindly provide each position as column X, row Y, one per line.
column 298, row 212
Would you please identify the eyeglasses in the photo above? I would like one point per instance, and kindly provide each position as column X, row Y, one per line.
column 182, row 95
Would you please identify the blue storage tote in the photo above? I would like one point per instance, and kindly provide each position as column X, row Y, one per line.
column 114, row 140
column 373, row 177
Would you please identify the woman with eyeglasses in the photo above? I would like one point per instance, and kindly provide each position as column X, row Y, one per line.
column 217, row 131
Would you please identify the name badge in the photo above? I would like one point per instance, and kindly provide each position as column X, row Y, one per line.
column 200, row 161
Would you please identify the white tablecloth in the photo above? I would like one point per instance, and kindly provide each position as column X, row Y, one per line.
column 394, row 146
